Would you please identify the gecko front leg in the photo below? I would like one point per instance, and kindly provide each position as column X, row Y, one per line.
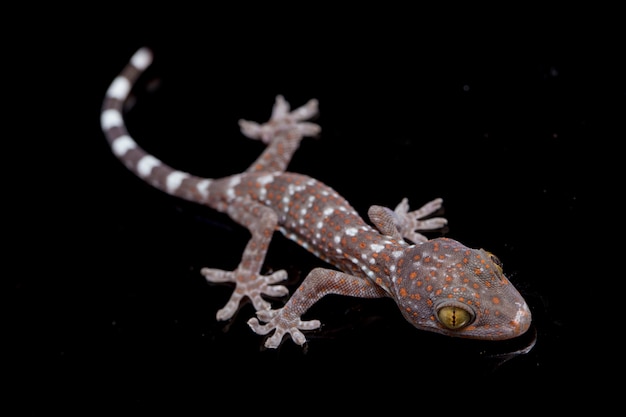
column 261, row 222
column 318, row 283
column 402, row 223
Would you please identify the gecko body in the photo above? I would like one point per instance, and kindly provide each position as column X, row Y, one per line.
column 440, row 285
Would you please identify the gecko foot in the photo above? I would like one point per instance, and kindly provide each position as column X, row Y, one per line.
column 283, row 120
column 248, row 285
column 283, row 323
column 412, row 221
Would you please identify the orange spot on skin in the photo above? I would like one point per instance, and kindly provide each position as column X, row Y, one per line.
column 495, row 300
column 403, row 292
column 413, row 275
column 416, row 258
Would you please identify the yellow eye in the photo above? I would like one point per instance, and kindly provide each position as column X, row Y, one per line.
column 454, row 317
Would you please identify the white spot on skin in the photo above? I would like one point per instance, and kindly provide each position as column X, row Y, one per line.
column 337, row 239
column 203, row 187
column 376, row 247
column 122, row 145
column 328, row 211
column 145, row 165
column 397, row 254
column 520, row 313
column 319, row 225
column 351, row 231
column 141, row 59
column 265, row 179
column 111, row 118
column 230, row 192
column 174, row 179
column 119, row 88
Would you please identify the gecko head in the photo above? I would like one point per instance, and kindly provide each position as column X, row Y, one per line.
column 458, row 291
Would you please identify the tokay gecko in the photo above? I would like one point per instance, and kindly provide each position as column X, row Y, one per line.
column 439, row 284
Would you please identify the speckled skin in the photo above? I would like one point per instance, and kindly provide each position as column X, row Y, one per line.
column 440, row 285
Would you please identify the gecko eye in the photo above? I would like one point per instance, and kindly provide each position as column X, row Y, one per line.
column 454, row 317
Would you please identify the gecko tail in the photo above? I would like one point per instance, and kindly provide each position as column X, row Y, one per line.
column 125, row 148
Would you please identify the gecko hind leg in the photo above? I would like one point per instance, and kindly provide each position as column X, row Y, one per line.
column 261, row 222
column 402, row 223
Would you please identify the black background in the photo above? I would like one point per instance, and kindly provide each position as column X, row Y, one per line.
column 511, row 119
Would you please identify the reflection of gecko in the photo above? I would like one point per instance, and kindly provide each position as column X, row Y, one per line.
column 439, row 285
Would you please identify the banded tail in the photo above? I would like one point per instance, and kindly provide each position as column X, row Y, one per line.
column 144, row 165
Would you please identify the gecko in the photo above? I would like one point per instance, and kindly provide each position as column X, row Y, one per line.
column 438, row 284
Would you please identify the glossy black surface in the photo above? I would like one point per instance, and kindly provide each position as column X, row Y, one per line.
column 110, row 310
